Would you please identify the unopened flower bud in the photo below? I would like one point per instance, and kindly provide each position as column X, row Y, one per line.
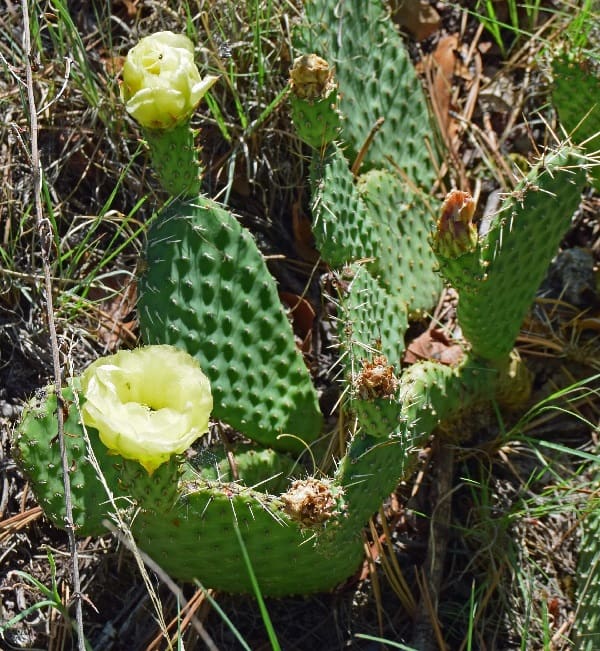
column 456, row 234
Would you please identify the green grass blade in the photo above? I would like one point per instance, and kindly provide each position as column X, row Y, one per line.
column 256, row 588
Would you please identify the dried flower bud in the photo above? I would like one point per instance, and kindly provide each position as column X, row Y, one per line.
column 311, row 77
column 456, row 233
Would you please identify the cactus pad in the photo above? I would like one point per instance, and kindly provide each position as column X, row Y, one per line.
column 404, row 262
column 376, row 80
column 343, row 229
column 284, row 558
column 207, row 290
column 515, row 254
column 576, row 96
column 587, row 625
column 37, row 450
column 372, row 321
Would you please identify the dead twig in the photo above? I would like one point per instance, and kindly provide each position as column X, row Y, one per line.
column 44, row 229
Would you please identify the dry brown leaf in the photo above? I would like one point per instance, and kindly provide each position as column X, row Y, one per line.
column 440, row 67
column 113, row 328
column 303, row 318
column 415, row 16
column 303, row 238
column 434, row 344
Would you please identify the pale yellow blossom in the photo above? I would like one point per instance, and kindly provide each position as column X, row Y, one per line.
column 161, row 83
column 147, row 404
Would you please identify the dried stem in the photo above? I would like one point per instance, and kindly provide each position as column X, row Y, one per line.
column 44, row 229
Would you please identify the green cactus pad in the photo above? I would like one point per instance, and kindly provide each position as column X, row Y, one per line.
column 286, row 559
column 263, row 470
column 175, row 159
column 379, row 220
column 378, row 417
column 587, row 624
column 404, row 262
column 342, row 227
column 207, row 290
column 516, row 252
column 576, row 97
column 372, row 321
column 376, row 80
column 37, row 451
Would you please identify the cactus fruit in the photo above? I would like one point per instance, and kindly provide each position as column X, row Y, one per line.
column 175, row 159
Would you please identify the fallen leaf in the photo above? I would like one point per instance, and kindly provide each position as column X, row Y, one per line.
column 440, row 67
column 434, row 344
column 304, row 240
column 113, row 309
column 303, row 318
column 415, row 16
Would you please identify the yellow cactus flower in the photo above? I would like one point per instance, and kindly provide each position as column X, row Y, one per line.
column 161, row 83
column 147, row 404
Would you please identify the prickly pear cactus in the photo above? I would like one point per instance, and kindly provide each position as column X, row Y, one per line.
column 307, row 538
column 207, row 291
column 303, row 540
